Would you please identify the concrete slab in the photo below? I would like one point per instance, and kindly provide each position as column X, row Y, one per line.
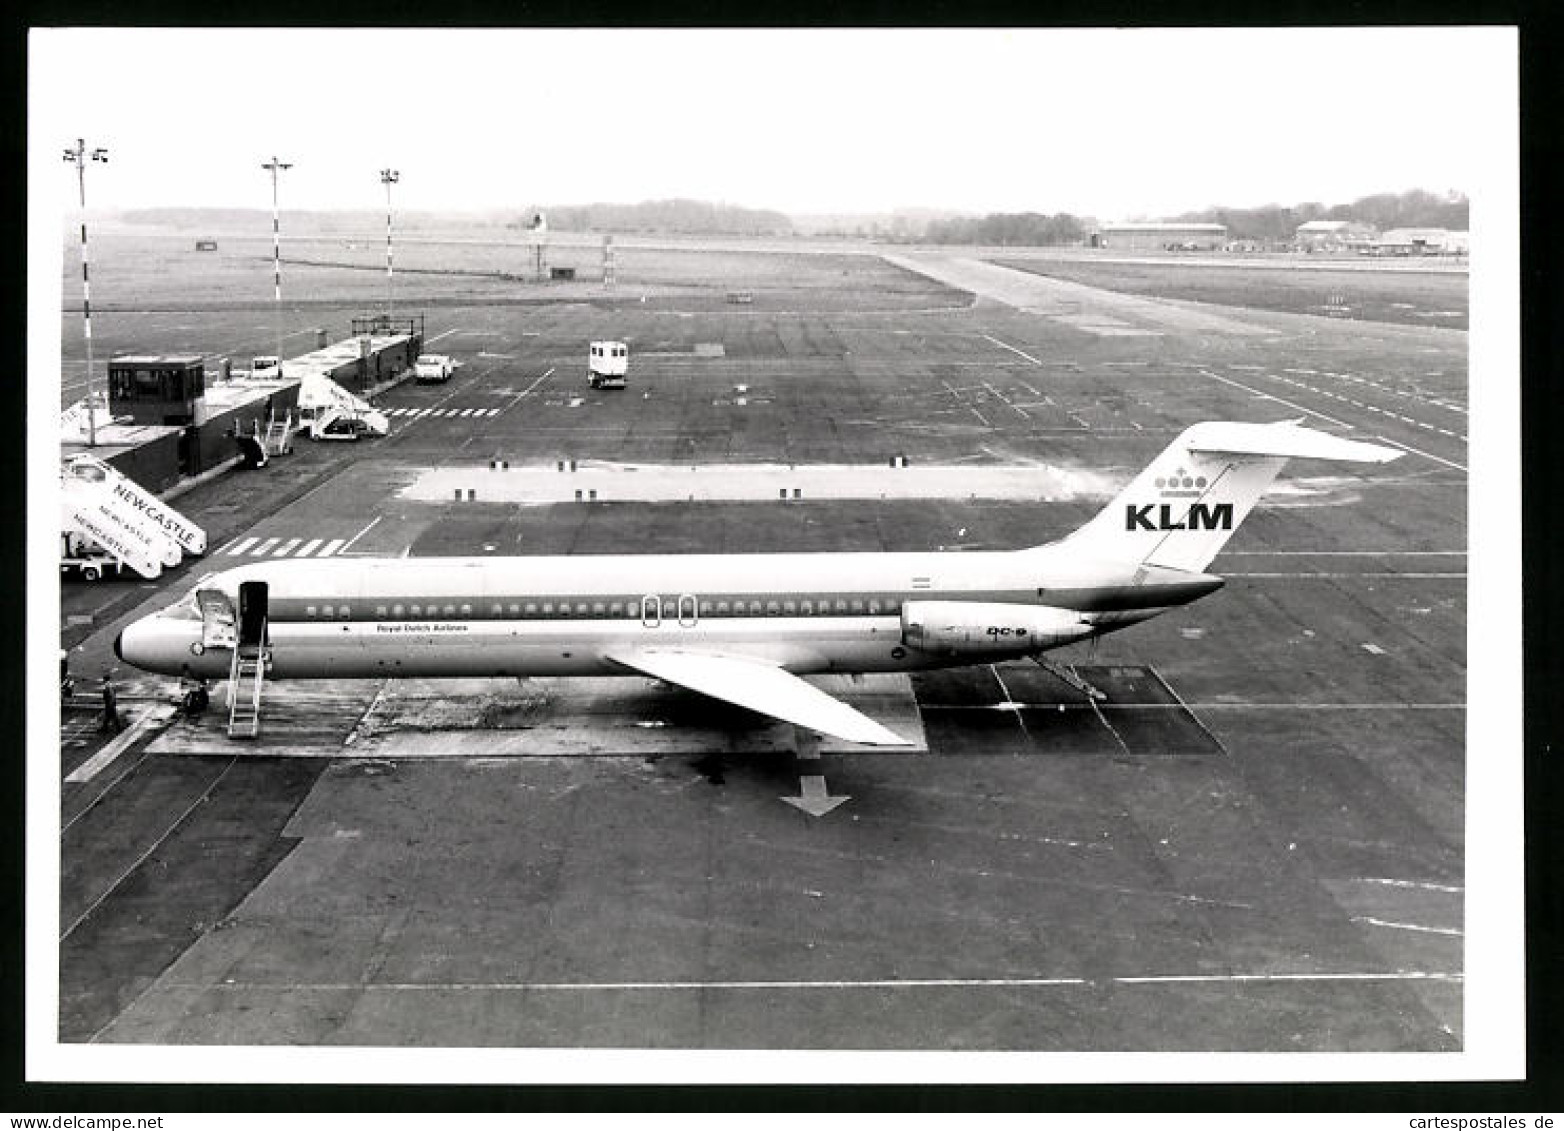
column 501, row 718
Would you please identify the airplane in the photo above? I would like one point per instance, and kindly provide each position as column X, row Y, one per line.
column 743, row 628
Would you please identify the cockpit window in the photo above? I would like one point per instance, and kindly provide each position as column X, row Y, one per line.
column 185, row 608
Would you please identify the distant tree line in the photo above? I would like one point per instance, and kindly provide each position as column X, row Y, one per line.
column 685, row 217
column 1008, row 229
column 1413, row 209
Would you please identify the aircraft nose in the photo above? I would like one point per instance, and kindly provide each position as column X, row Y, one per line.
column 146, row 645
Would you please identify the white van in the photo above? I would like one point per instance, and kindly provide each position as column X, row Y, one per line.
column 608, row 365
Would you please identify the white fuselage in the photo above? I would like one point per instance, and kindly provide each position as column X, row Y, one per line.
column 807, row 613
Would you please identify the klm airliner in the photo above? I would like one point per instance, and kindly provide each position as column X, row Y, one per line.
column 744, row 628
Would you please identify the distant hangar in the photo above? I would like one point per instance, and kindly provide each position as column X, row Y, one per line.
column 1161, row 237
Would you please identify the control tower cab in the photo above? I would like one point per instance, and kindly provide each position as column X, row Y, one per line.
column 158, row 389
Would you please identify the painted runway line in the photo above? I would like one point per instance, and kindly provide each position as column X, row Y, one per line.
column 544, row 377
column 1373, row 408
column 144, row 722
column 1364, row 573
column 1373, row 922
column 1012, row 349
column 1418, row 452
column 1419, row 884
column 1224, row 705
column 1262, row 394
column 178, row 821
column 349, row 544
column 817, row 984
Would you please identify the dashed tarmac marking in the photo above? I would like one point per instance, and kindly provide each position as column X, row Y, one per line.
column 1272, row 397
column 1355, row 403
column 278, row 548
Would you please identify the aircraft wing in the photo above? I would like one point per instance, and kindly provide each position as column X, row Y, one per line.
column 759, row 686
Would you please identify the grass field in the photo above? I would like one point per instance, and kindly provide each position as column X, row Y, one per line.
column 158, row 269
column 1412, row 298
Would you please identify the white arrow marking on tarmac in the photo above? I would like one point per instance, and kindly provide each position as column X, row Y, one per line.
column 813, row 797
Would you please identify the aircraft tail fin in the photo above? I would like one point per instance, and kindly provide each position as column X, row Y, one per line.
column 1180, row 511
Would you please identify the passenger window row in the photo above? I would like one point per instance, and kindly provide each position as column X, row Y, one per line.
column 618, row 610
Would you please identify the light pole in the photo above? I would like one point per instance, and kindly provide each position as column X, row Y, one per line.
column 275, row 166
column 81, row 155
column 388, row 177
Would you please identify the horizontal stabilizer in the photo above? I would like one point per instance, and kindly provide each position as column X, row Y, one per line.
column 1180, row 511
column 1285, row 438
column 758, row 686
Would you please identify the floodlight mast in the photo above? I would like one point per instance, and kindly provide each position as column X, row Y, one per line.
column 275, row 166
column 388, row 177
column 81, row 155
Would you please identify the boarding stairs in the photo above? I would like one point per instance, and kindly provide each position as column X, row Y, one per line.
column 278, row 440
column 252, row 655
column 246, row 677
column 107, row 517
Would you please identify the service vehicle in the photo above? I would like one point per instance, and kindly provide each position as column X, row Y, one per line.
column 85, row 558
column 608, row 365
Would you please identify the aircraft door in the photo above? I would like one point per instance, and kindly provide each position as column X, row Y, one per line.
column 651, row 611
column 217, row 618
column 687, row 610
column 252, row 613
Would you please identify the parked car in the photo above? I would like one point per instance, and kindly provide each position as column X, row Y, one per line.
column 341, row 428
column 432, row 367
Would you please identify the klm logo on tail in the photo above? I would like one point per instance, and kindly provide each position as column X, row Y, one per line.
column 1159, row 516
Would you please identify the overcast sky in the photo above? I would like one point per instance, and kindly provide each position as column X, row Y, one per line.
column 1114, row 124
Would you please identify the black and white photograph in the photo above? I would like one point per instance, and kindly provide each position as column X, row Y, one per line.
column 773, row 556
